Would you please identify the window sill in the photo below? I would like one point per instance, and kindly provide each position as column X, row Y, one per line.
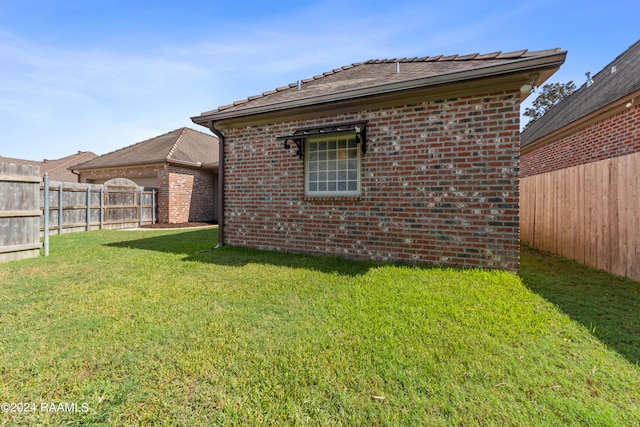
column 332, row 198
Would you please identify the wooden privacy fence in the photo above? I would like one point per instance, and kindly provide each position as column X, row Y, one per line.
column 31, row 208
column 119, row 203
column 589, row 213
column 19, row 211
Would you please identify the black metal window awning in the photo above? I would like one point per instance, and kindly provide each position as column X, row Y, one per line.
column 355, row 128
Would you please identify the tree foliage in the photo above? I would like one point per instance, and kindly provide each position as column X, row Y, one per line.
column 551, row 94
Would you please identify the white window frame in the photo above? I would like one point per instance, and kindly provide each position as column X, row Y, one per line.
column 309, row 169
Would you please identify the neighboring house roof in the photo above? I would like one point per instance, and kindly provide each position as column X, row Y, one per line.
column 57, row 169
column 615, row 81
column 184, row 146
column 376, row 77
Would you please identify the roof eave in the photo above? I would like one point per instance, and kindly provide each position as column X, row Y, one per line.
column 553, row 60
column 620, row 104
column 82, row 167
column 192, row 165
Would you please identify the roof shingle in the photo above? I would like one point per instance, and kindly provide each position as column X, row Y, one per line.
column 372, row 74
column 183, row 145
column 56, row 168
column 608, row 86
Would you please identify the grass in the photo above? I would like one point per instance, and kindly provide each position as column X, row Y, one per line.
column 606, row 305
column 150, row 327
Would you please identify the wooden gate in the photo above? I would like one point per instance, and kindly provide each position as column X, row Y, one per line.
column 19, row 211
column 127, row 205
column 118, row 203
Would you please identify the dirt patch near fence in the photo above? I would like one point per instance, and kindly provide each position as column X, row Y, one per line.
column 180, row 225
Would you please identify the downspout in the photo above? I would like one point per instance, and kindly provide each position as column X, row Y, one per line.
column 220, row 183
column 75, row 173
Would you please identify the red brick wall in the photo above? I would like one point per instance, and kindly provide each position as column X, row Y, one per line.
column 191, row 195
column 614, row 136
column 184, row 194
column 439, row 186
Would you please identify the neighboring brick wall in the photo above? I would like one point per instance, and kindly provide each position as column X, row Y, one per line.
column 184, row 194
column 614, row 136
column 191, row 195
column 439, row 186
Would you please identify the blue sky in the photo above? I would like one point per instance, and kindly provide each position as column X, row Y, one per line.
column 98, row 75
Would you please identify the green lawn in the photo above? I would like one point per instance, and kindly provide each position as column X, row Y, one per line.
column 153, row 328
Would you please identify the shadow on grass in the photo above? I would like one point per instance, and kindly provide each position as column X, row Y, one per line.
column 608, row 306
column 181, row 241
column 198, row 246
column 237, row 256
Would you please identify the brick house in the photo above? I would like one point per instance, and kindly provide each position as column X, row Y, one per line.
column 412, row 160
column 182, row 165
column 598, row 121
column 588, row 148
column 56, row 168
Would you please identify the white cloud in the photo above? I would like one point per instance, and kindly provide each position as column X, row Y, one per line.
column 78, row 97
column 62, row 94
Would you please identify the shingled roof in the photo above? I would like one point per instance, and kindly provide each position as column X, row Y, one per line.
column 182, row 146
column 385, row 76
column 56, row 168
column 618, row 79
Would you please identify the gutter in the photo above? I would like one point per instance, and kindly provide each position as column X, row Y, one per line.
column 523, row 65
column 76, row 173
column 221, row 141
column 196, row 165
column 145, row 163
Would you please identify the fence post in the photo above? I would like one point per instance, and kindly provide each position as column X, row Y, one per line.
column 46, row 214
column 101, row 207
column 141, row 195
column 60, row 190
column 88, row 208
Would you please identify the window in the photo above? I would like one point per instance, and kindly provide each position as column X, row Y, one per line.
column 331, row 156
column 332, row 165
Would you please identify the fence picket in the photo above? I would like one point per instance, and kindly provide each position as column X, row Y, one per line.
column 19, row 211
column 590, row 213
column 112, row 205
